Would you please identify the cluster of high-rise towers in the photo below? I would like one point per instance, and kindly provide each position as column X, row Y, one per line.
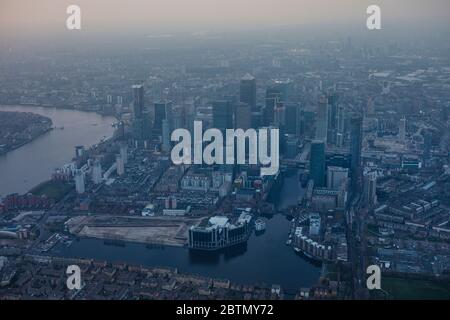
column 243, row 113
column 330, row 130
column 332, row 124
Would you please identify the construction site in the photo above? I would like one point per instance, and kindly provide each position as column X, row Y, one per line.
column 170, row 231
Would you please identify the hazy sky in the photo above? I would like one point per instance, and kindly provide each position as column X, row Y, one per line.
column 49, row 16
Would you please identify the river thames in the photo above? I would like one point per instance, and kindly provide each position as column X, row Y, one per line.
column 34, row 162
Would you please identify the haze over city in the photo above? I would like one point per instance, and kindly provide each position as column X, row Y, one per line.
column 20, row 17
column 225, row 150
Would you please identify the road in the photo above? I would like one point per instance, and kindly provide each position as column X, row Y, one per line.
column 356, row 242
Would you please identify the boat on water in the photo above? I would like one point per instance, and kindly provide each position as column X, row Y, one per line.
column 260, row 225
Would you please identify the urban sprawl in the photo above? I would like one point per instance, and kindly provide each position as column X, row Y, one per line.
column 363, row 127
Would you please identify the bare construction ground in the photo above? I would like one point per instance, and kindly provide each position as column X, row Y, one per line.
column 172, row 231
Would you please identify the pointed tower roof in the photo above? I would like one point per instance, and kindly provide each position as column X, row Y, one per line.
column 248, row 76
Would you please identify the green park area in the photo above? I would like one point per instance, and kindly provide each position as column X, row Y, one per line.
column 415, row 289
column 53, row 189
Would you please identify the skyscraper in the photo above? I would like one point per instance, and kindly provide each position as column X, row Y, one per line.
column 190, row 115
column 120, row 130
column 370, row 189
column 248, row 90
column 292, row 118
column 273, row 98
column 355, row 149
column 274, row 92
column 243, row 116
column 177, row 117
column 138, row 112
column 279, row 116
column 283, row 88
column 322, row 119
column 79, row 181
column 291, row 146
column 165, row 136
column 222, row 113
column 317, row 163
column 138, row 131
column 340, row 130
column 332, row 122
column 370, row 109
column 79, row 151
column 146, row 125
column 161, row 113
column 97, row 172
column 269, row 110
column 138, row 100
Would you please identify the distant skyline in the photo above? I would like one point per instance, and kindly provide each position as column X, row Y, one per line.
column 21, row 17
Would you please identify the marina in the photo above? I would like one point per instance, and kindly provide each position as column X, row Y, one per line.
column 235, row 263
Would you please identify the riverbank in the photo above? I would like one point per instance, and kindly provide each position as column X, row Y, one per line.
column 33, row 163
column 2, row 153
column 19, row 128
column 52, row 189
column 62, row 108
